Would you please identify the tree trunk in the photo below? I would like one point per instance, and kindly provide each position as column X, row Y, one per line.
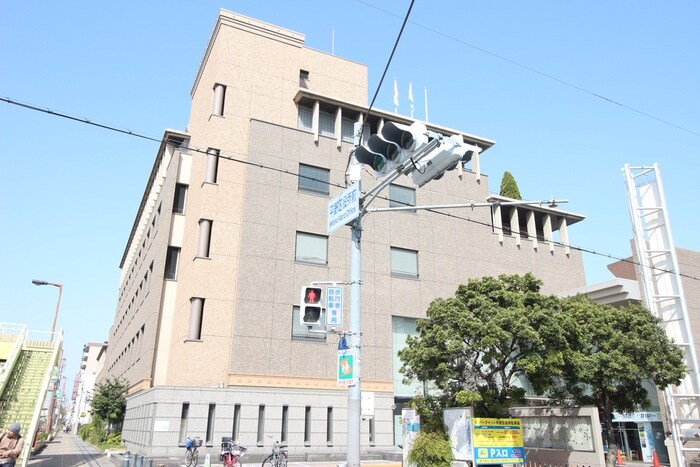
column 606, row 421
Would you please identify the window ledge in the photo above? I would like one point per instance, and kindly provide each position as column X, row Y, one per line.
column 398, row 275
column 193, row 340
column 208, row 258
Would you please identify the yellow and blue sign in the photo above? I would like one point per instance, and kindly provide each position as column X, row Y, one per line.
column 498, row 441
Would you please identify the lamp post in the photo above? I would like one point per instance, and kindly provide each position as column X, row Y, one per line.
column 58, row 303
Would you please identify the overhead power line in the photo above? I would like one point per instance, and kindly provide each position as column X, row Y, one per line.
column 298, row 175
column 536, row 71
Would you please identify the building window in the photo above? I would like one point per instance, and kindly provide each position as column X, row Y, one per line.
column 261, row 425
column 219, row 99
column 303, row 79
column 347, row 129
column 204, row 238
column 210, row 423
column 401, row 196
column 171, row 261
column 212, row 169
column 314, row 179
column 305, row 118
column 307, row 426
column 329, row 426
column 311, row 248
column 326, row 124
column 180, row 196
column 183, row 421
column 285, row 424
column 235, row 430
column 372, row 432
column 300, row 331
column 196, row 315
column 404, row 262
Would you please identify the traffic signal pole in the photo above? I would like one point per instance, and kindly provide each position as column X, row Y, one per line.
column 355, row 392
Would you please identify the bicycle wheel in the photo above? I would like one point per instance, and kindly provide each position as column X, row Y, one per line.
column 195, row 458
column 282, row 461
column 188, row 458
column 268, row 462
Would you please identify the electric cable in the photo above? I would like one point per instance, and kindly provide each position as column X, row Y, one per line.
column 298, row 175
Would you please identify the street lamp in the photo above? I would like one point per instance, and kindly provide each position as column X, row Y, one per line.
column 58, row 303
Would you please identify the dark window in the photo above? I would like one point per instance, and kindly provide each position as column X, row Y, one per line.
column 171, row 261
column 180, row 195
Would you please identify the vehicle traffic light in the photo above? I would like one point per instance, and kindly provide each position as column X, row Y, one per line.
column 310, row 306
column 451, row 151
column 396, row 143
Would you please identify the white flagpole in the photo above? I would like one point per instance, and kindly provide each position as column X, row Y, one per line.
column 396, row 97
column 410, row 96
column 426, row 104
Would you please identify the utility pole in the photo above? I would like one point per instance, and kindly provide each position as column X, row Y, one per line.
column 355, row 392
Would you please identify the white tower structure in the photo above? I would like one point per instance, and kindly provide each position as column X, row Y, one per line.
column 663, row 293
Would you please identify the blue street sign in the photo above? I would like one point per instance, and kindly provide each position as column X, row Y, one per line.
column 334, row 306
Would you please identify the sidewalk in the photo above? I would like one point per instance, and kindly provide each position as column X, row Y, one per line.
column 68, row 450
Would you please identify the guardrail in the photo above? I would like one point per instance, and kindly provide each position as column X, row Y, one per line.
column 17, row 333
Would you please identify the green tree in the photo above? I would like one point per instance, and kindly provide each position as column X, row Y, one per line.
column 509, row 188
column 109, row 402
column 493, row 332
column 609, row 353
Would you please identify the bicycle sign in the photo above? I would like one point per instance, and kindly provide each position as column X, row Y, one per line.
column 334, row 306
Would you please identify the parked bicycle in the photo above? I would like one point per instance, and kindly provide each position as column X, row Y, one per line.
column 279, row 456
column 231, row 453
column 192, row 451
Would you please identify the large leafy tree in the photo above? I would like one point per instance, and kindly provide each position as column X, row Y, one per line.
column 494, row 331
column 610, row 352
column 109, row 402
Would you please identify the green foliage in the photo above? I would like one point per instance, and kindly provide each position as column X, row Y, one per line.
column 509, row 188
column 493, row 332
column 109, row 402
column 95, row 434
column 431, row 449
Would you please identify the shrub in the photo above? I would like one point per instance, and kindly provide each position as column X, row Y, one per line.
column 431, row 449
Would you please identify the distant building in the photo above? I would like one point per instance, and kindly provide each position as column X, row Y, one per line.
column 232, row 224
column 85, row 383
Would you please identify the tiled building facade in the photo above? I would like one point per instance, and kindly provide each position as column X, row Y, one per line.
column 233, row 223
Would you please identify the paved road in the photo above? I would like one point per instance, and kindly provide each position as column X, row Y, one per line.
column 68, row 450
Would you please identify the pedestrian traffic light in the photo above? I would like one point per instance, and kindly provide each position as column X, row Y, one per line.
column 394, row 144
column 451, row 151
column 310, row 306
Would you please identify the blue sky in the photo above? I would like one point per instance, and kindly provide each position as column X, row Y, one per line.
column 525, row 74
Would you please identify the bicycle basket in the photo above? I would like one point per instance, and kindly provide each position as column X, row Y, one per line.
column 239, row 450
column 196, row 443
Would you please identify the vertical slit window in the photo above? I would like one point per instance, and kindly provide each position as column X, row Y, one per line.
column 307, row 426
column 372, row 434
column 171, row 261
column 329, row 426
column 204, row 238
column 235, row 430
column 326, row 123
column 180, row 197
column 210, row 423
column 219, row 99
column 285, row 424
column 210, row 175
column 196, row 315
column 261, row 425
column 184, row 414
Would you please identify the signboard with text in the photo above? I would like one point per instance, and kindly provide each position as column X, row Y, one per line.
column 344, row 208
column 334, row 306
column 498, row 441
column 346, row 367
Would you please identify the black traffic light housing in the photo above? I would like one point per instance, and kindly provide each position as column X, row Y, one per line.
column 310, row 306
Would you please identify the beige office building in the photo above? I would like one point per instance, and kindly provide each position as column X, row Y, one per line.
column 233, row 222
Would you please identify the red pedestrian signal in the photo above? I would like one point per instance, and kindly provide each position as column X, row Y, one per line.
column 310, row 306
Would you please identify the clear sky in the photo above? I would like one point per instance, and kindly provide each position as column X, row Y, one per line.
column 525, row 74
